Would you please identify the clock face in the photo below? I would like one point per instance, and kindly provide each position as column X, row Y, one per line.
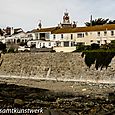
column 66, row 17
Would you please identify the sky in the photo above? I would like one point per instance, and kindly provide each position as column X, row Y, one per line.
column 27, row 13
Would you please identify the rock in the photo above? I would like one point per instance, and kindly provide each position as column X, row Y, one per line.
column 59, row 101
column 1, row 100
column 5, row 94
column 111, row 97
column 18, row 101
column 53, row 112
column 33, row 95
column 84, row 89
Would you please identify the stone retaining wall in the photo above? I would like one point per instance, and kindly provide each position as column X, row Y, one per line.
column 54, row 65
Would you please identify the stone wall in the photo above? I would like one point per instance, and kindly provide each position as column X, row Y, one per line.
column 54, row 65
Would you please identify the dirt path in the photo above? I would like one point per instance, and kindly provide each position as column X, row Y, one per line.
column 68, row 86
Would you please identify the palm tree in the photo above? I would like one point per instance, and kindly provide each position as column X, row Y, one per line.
column 99, row 21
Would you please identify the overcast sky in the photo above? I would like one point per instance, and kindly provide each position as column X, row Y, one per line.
column 27, row 13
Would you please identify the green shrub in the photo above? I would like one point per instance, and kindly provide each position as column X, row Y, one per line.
column 11, row 50
column 101, row 58
column 2, row 47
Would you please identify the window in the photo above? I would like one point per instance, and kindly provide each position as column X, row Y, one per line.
column 98, row 33
column 98, row 42
column 66, row 44
column 36, row 35
column 105, row 33
column 80, row 35
column 73, row 44
column 42, row 36
column 112, row 33
column 18, row 40
column 54, row 36
column 40, row 44
column 61, row 35
column 43, row 44
column 49, row 44
column 105, row 41
column 30, row 35
column 71, row 36
column 86, row 33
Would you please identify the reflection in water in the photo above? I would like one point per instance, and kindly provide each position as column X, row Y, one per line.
column 100, row 59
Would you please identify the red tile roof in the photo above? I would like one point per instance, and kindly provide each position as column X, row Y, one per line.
column 58, row 30
column 84, row 29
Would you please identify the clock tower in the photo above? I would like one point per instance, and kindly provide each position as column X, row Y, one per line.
column 66, row 20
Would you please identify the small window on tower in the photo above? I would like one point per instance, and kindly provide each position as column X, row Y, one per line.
column 61, row 35
column 49, row 44
column 112, row 33
column 91, row 41
column 54, row 36
column 105, row 33
column 98, row 33
column 71, row 36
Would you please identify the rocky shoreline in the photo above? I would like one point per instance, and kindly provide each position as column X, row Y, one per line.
column 58, row 98
column 48, row 84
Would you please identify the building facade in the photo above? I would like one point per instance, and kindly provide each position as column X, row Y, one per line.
column 67, row 34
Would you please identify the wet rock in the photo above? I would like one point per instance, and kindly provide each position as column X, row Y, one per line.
column 18, row 102
column 111, row 97
column 5, row 93
column 34, row 95
column 53, row 112
column 84, row 89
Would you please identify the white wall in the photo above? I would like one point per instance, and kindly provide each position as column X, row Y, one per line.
column 40, row 44
column 46, row 44
column 92, row 37
column 64, row 49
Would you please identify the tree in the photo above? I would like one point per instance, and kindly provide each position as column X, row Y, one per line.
column 99, row 21
column 2, row 47
column 111, row 22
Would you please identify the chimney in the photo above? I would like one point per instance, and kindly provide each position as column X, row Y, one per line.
column 74, row 24
column 12, row 30
column 40, row 24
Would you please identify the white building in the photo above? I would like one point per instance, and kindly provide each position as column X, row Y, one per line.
column 2, row 37
column 47, row 34
column 67, row 34
column 15, row 36
column 86, row 35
